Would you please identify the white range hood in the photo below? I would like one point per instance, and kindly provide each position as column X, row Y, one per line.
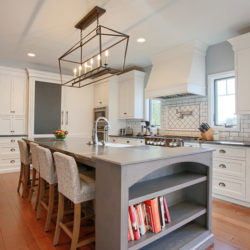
column 178, row 71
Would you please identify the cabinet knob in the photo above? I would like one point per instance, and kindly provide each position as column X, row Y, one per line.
column 222, row 166
column 12, row 150
column 12, row 161
column 222, row 151
column 100, row 102
column 124, row 113
column 222, row 184
column 128, row 141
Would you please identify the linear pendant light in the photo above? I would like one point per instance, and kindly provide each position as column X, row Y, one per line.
column 96, row 56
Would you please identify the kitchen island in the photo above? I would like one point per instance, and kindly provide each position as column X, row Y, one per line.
column 130, row 175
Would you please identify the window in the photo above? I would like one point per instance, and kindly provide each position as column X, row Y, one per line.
column 222, row 100
column 155, row 112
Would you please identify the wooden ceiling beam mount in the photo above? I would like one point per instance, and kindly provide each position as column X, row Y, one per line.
column 91, row 17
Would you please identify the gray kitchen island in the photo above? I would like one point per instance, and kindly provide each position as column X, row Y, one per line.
column 130, row 175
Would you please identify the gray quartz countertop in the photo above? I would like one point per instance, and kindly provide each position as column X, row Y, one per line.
column 88, row 154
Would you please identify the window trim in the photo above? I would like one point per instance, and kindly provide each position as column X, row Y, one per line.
column 150, row 112
column 211, row 99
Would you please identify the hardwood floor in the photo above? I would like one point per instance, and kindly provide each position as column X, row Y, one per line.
column 20, row 230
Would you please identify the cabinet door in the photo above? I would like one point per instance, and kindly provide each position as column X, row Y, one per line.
column 18, row 95
column 101, row 93
column 5, row 95
column 5, row 125
column 78, row 110
column 123, row 100
column 18, row 125
column 243, row 79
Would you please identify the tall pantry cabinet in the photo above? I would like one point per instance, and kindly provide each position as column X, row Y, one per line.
column 13, row 116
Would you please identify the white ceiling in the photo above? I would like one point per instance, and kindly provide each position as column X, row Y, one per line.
column 46, row 27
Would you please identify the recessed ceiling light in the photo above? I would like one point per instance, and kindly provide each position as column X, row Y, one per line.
column 141, row 40
column 31, row 54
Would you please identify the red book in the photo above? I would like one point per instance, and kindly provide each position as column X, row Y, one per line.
column 153, row 207
column 167, row 215
column 134, row 223
column 130, row 228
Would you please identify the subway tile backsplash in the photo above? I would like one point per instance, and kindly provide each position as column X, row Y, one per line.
column 172, row 125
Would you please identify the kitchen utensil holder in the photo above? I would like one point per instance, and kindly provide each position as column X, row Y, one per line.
column 208, row 135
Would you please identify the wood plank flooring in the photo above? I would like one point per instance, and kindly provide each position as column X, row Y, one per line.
column 20, row 230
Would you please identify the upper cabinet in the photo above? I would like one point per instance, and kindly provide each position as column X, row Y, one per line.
column 13, row 98
column 131, row 95
column 12, row 95
column 241, row 47
column 101, row 94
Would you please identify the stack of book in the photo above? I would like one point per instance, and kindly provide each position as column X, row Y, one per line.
column 151, row 215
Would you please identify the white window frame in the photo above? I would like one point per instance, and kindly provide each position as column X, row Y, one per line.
column 148, row 115
column 211, row 79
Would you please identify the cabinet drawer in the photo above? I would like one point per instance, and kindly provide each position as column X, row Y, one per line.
column 234, row 168
column 9, row 141
column 224, row 151
column 11, row 161
column 9, row 149
column 229, row 187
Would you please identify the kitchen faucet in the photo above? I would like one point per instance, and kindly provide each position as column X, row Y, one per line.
column 94, row 136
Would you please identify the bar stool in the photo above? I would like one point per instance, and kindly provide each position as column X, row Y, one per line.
column 77, row 191
column 47, row 175
column 25, row 167
column 35, row 166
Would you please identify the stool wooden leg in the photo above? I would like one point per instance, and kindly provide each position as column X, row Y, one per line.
column 26, row 180
column 41, row 196
column 50, row 206
column 38, row 192
column 33, row 182
column 59, row 218
column 20, row 177
column 76, row 226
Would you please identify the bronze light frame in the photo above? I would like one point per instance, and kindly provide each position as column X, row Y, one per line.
column 103, row 71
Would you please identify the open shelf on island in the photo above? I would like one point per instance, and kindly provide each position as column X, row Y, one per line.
column 181, row 214
column 183, row 238
column 161, row 186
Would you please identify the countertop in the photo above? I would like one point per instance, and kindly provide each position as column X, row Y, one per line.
column 88, row 154
column 194, row 140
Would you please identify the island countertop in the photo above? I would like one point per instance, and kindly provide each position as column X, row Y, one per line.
column 88, row 154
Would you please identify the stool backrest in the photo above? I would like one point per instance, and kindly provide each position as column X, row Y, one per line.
column 68, row 176
column 46, row 165
column 24, row 153
column 34, row 157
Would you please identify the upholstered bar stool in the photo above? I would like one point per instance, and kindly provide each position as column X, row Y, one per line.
column 25, row 167
column 47, row 175
column 35, row 170
column 77, row 191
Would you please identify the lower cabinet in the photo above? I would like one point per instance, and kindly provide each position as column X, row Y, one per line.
column 231, row 169
column 9, row 154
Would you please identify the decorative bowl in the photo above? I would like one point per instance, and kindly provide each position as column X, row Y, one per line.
column 60, row 134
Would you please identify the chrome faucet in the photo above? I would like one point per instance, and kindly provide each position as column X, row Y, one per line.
column 106, row 128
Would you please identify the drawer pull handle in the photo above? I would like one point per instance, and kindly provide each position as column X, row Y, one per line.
column 128, row 141
column 12, row 150
column 222, row 151
column 222, row 166
column 124, row 113
column 222, row 184
column 12, row 140
column 12, row 161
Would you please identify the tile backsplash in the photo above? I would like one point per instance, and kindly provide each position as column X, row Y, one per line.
column 172, row 125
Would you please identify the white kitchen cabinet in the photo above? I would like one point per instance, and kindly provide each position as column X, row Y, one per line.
column 131, row 95
column 13, row 94
column 231, row 171
column 241, row 47
column 77, row 107
column 101, row 94
column 12, row 125
column 9, row 154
